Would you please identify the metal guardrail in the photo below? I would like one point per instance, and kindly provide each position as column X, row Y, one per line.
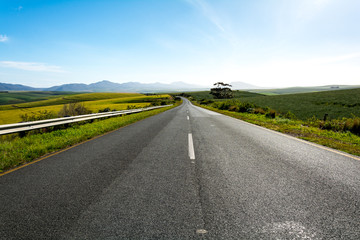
column 28, row 126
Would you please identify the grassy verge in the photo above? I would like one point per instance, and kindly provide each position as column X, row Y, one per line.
column 344, row 141
column 22, row 150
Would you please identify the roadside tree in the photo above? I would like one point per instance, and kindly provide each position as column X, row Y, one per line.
column 221, row 91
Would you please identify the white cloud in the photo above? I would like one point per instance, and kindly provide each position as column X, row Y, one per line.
column 30, row 66
column 3, row 38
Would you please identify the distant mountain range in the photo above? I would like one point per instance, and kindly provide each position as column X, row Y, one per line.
column 107, row 86
column 15, row 87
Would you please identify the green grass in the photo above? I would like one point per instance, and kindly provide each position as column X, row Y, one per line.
column 337, row 104
column 14, row 152
column 344, row 141
column 18, row 97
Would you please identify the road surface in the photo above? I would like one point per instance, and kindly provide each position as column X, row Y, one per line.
column 187, row 173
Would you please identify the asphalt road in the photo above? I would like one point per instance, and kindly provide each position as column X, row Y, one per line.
column 187, row 173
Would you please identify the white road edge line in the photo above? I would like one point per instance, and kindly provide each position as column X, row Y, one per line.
column 191, row 147
column 187, row 117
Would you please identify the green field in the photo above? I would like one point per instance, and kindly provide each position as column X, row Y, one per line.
column 31, row 96
column 65, row 99
column 293, row 90
column 337, row 104
column 206, row 95
column 93, row 101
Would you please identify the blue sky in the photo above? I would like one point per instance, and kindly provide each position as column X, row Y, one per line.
column 269, row 43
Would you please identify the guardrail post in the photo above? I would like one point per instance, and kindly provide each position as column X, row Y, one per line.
column 22, row 134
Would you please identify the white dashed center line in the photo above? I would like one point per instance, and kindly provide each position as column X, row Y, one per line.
column 191, row 147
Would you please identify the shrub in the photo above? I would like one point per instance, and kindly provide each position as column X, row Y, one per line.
column 73, row 109
column 326, row 125
column 104, row 110
column 134, row 106
column 234, row 105
column 155, row 103
column 290, row 115
column 243, row 108
column 271, row 114
column 356, row 126
column 343, row 125
column 258, row 111
column 233, row 108
column 353, row 125
column 206, row 101
column 40, row 115
column 224, row 105
column 313, row 122
column 246, row 107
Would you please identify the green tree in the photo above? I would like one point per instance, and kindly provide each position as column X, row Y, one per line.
column 221, row 91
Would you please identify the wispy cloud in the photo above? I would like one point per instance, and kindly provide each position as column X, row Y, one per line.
column 208, row 12
column 31, row 66
column 308, row 9
column 3, row 38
